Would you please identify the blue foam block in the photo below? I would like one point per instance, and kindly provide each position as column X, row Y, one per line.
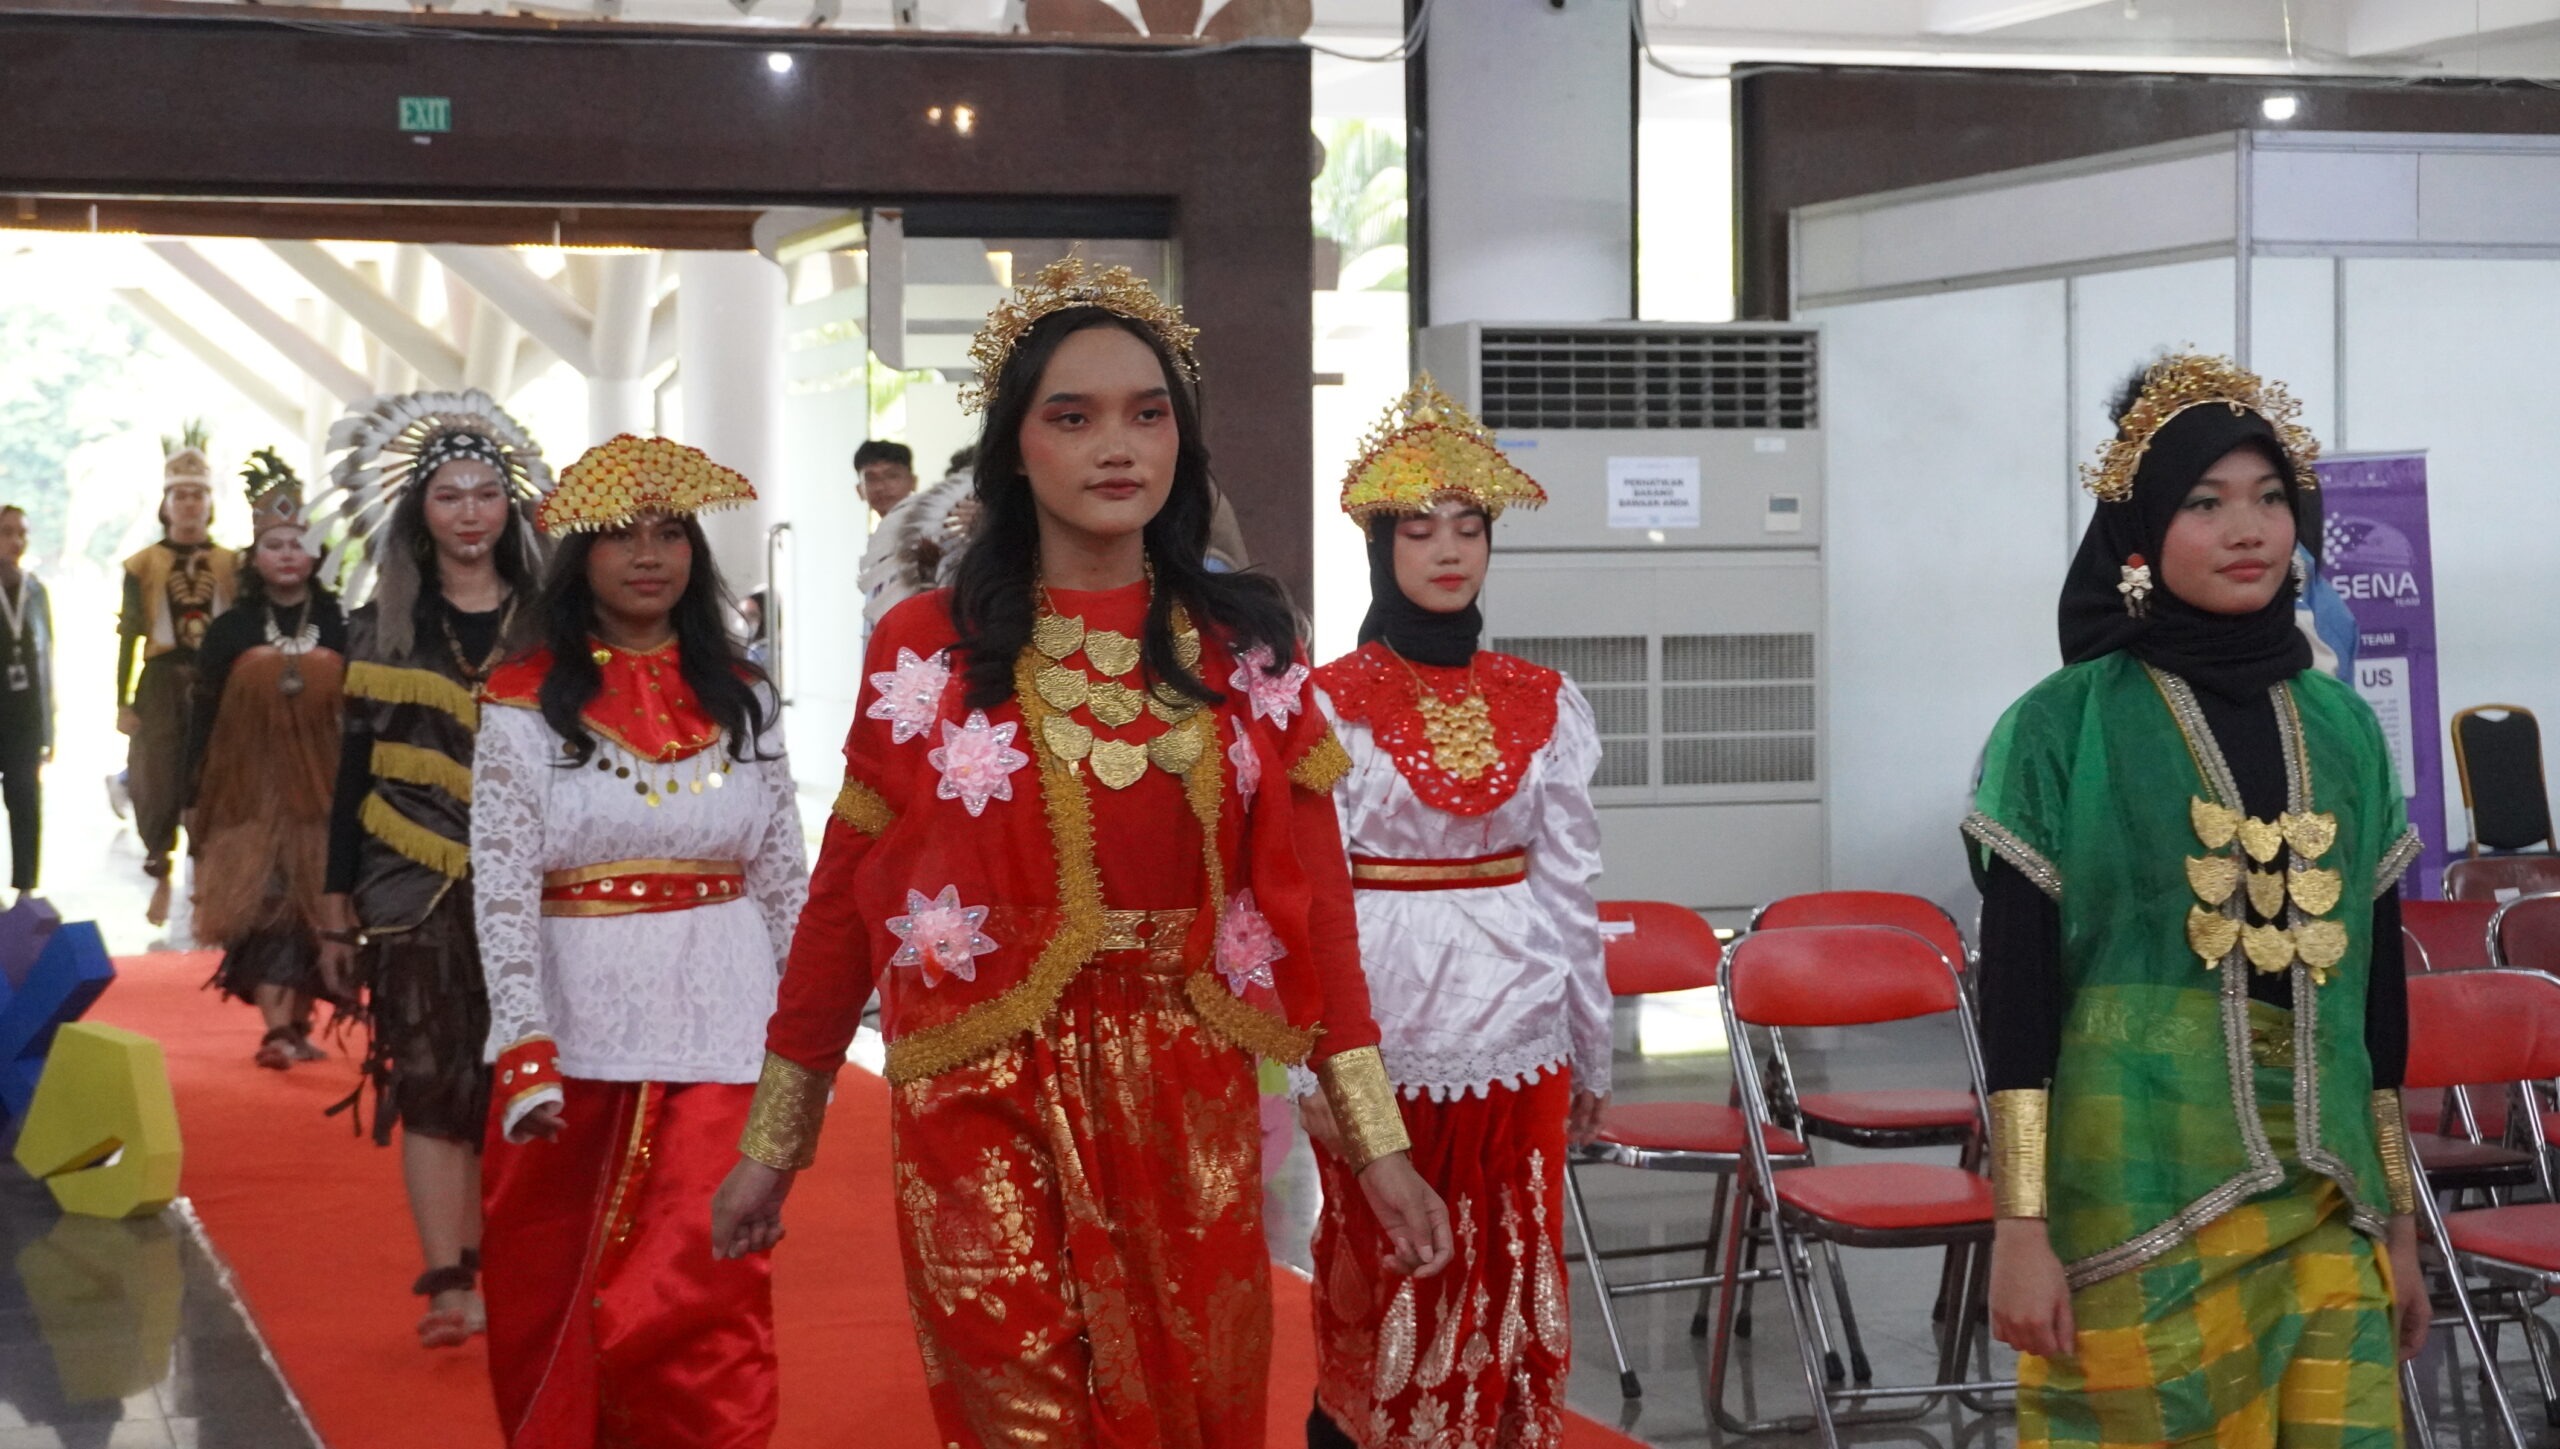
column 67, row 978
column 24, row 928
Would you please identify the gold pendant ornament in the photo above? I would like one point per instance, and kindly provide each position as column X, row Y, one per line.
column 2309, row 835
column 1117, row 706
column 1118, row 763
column 2214, row 824
column 1461, row 734
column 2266, row 894
column 1067, row 739
column 1057, row 635
column 2323, row 944
column 2214, row 877
column 2211, row 936
column 1062, row 687
column 2315, row 890
column 2261, row 838
column 1176, row 750
column 1113, row 654
column 2269, row 948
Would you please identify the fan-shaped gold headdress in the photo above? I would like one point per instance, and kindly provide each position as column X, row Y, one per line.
column 2188, row 380
column 626, row 478
column 1063, row 284
column 1427, row 448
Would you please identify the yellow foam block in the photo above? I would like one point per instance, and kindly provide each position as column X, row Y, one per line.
column 102, row 1131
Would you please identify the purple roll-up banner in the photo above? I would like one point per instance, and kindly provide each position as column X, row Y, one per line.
column 2374, row 551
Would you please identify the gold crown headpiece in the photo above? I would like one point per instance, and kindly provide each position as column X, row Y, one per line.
column 626, row 478
column 1427, row 448
column 1065, row 284
column 2189, row 380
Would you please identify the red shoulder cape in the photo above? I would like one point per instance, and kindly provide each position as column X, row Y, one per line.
column 1371, row 686
column 645, row 706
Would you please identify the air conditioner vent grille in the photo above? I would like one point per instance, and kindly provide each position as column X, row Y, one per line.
column 1631, row 378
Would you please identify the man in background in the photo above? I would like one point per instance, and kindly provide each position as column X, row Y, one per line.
column 26, row 698
column 885, row 474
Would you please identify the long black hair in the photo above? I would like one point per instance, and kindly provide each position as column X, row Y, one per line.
column 724, row 679
column 992, row 600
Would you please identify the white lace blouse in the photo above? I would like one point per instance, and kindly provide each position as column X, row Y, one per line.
column 1489, row 985
column 676, row 996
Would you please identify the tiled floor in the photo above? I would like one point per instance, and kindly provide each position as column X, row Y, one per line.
column 125, row 1335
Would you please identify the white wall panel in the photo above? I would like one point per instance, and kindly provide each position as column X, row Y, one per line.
column 1949, row 532
column 2293, row 335
column 2458, row 358
column 2123, row 320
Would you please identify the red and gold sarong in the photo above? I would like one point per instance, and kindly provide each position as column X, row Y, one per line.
column 1474, row 1358
column 610, row 1324
column 1081, row 1217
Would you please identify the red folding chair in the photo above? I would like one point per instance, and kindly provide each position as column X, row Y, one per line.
column 2501, row 877
column 1845, row 976
column 2500, row 1028
column 1902, row 1116
column 1653, row 947
column 2450, row 936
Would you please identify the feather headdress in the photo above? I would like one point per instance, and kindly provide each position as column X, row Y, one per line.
column 383, row 448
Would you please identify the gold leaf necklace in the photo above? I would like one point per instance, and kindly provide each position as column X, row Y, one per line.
column 1114, row 705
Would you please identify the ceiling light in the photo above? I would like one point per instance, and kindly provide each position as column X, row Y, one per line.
column 779, row 62
column 2280, row 108
column 964, row 119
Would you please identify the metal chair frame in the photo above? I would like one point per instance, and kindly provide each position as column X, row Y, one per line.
column 1791, row 1232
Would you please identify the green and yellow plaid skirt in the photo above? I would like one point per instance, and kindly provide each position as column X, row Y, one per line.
column 2272, row 1326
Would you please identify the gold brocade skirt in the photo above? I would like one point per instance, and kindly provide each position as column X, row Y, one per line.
column 1081, row 1219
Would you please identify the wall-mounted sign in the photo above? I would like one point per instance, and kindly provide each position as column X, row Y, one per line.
column 426, row 113
column 1653, row 493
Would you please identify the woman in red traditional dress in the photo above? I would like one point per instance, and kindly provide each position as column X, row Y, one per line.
column 636, row 847
column 1473, row 842
column 1086, row 851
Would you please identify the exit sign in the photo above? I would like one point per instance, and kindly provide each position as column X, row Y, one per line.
column 426, row 113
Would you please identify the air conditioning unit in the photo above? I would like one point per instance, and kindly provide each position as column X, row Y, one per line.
column 1676, row 575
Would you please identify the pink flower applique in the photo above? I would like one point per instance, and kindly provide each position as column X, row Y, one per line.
column 941, row 936
column 1246, row 945
column 1246, row 760
column 977, row 761
column 1274, row 697
column 910, row 695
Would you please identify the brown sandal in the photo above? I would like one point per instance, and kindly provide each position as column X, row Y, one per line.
column 275, row 1049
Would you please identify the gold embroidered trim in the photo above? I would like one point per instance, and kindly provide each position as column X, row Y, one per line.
column 861, row 807
column 414, row 765
column 2018, row 1120
column 2003, row 842
column 448, row 858
column 1364, row 1104
column 2397, row 860
column 989, row 1024
column 390, row 684
column 1322, row 766
column 2391, row 1141
column 790, row 1108
column 1227, row 1015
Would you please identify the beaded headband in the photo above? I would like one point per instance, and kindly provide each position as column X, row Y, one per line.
column 626, row 478
column 187, row 459
column 1058, row 287
column 458, row 443
column 2187, row 380
column 1426, row 449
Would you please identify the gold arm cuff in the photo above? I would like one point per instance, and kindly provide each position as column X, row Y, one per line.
column 1322, row 766
column 861, row 807
column 2017, row 1151
column 1364, row 1104
column 790, row 1107
column 2391, row 1140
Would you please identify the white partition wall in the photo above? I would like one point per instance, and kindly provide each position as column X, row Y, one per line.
column 2406, row 288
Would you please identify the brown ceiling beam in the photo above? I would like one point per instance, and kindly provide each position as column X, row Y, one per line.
column 662, row 228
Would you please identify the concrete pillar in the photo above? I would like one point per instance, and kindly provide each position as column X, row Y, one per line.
column 1527, row 140
column 618, row 397
column 729, row 323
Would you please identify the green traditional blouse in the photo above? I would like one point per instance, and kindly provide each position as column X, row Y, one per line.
column 2104, row 787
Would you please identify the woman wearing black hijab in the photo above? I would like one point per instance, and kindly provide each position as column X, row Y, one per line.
column 2194, row 1018
column 1467, row 812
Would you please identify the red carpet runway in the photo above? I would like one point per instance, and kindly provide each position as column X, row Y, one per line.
column 315, row 1225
